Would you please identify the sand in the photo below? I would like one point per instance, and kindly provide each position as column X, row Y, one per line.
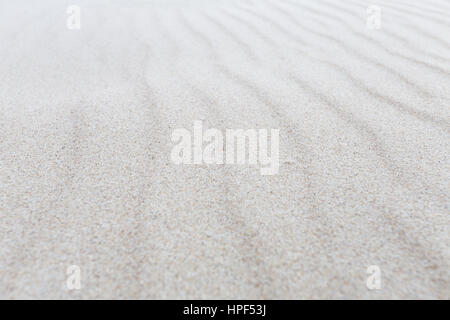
column 86, row 178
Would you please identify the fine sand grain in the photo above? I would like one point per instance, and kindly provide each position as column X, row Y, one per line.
column 86, row 177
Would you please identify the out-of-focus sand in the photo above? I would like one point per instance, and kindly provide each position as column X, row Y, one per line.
column 86, row 177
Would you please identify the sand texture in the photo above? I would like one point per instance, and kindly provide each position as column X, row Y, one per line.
column 86, row 177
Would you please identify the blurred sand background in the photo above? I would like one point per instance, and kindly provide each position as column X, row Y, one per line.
column 86, row 177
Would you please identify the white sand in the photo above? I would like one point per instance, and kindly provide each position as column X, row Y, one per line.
column 86, row 178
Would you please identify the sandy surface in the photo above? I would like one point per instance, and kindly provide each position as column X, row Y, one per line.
column 85, row 171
